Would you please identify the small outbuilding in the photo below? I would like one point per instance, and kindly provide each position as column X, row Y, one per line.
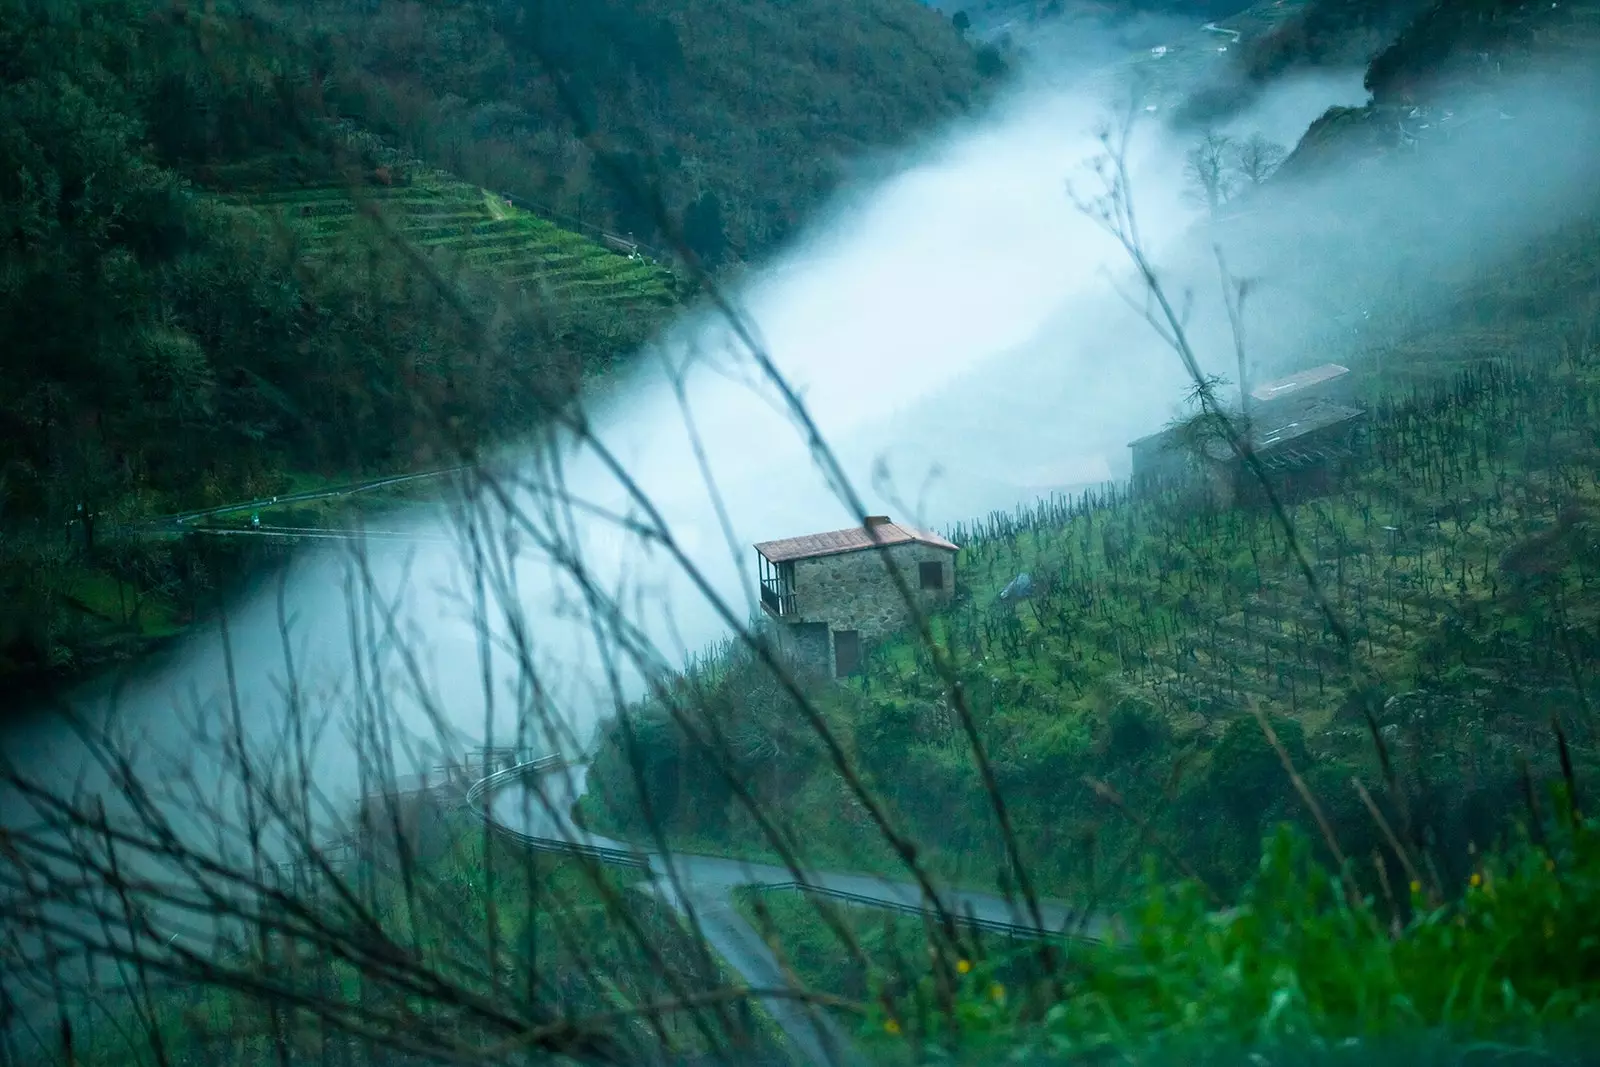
column 1303, row 429
column 827, row 593
column 1304, row 453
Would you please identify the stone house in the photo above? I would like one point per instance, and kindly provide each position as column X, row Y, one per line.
column 827, row 593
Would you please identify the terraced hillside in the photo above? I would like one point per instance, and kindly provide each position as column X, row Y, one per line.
column 467, row 226
column 1458, row 553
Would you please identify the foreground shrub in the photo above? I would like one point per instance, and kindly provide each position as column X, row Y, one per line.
column 1297, row 971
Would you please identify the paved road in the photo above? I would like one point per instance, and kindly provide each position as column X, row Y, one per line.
column 534, row 804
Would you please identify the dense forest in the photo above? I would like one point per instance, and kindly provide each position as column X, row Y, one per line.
column 167, row 345
column 741, row 115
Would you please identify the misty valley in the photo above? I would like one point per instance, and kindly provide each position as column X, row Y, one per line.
column 697, row 532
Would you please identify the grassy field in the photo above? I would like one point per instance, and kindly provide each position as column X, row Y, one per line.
column 1297, row 972
column 468, row 227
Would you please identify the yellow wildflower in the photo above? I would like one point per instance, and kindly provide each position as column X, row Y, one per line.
column 1416, row 887
column 1476, row 879
column 892, row 1026
column 963, row 966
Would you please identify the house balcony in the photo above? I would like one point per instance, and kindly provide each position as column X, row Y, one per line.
column 777, row 590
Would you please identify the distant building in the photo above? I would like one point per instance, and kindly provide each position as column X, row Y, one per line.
column 1304, row 453
column 829, row 592
column 1303, row 430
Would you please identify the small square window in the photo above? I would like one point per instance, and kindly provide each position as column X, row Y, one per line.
column 932, row 575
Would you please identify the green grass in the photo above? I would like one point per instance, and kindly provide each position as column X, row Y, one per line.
column 98, row 592
column 1296, row 972
column 464, row 224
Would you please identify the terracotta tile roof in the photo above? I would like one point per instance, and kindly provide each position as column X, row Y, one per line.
column 1295, row 382
column 850, row 540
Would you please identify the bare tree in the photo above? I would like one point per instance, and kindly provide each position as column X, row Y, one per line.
column 1209, row 171
column 1257, row 158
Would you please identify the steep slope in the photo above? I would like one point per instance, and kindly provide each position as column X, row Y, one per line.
column 743, row 112
column 209, row 280
column 473, row 228
column 1327, row 33
column 1446, row 544
column 1525, row 63
column 1482, row 43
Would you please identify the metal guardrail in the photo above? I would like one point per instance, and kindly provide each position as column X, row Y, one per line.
column 964, row 918
column 483, row 786
column 640, row 861
column 183, row 518
column 319, row 533
column 184, row 521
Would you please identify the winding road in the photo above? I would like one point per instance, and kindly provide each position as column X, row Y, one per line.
column 532, row 803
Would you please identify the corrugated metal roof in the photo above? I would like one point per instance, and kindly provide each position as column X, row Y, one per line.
column 1275, row 435
column 850, row 540
column 1275, row 390
column 1295, row 382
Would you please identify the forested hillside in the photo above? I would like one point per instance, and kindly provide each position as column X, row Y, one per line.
column 1327, row 33
column 236, row 258
column 741, row 113
column 1474, row 43
column 1288, row 38
column 1451, row 51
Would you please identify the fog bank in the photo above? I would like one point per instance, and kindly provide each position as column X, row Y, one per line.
column 956, row 332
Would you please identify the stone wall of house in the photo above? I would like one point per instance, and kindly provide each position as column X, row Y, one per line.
column 854, row 590
column 808, row 646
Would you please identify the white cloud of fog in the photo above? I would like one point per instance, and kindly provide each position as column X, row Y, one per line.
column 957, row 318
